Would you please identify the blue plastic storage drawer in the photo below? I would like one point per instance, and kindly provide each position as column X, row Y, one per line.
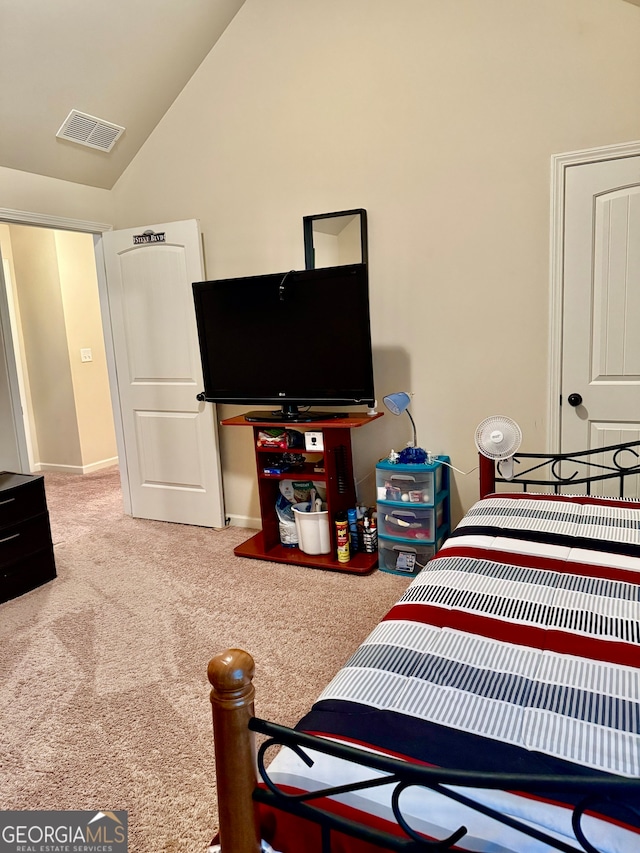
column 410, row 483
column 402, row 557
column 409, row 521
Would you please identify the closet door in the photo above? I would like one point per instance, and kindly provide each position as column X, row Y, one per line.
column 601, row 305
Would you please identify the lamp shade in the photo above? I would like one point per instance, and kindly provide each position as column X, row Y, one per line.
column 397, row 402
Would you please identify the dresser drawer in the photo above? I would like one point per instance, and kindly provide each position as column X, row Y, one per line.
column 27, row 574
column 23, row 539
column 21, row 497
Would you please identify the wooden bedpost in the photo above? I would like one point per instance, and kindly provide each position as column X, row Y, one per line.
column 487, row 475
column 231, row 675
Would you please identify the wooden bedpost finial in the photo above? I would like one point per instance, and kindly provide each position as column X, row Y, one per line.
column 231, row 677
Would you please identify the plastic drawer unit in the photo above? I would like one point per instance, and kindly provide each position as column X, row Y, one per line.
column 413, row 514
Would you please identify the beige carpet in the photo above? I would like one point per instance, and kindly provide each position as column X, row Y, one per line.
column 103, row 687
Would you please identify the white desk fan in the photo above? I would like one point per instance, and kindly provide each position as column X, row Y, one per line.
column 499, row 438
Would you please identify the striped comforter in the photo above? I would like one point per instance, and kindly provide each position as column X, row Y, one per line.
column 516, row 649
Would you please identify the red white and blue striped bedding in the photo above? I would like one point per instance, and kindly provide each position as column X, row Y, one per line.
column 516, row 649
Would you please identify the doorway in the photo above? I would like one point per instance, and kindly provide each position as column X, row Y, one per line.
column 136, row 351
column 59, row 348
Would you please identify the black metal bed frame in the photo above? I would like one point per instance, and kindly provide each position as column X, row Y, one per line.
column 612, row 464
column 588, row 466
column 624, row 792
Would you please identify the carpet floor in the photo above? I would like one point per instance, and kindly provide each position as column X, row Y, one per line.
column 103, row 686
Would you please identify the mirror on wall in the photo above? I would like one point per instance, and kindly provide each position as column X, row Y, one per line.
column 334, row 239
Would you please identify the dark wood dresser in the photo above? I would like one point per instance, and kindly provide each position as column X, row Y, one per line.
column 26, row 549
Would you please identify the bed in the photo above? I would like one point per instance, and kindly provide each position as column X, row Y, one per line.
column 495, row 708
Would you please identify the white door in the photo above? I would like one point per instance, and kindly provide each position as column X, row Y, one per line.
column 170, row 439
column 601, row 305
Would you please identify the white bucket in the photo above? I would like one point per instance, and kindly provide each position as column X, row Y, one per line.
column 313, row 529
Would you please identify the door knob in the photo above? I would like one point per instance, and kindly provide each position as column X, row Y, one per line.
column 574, row 400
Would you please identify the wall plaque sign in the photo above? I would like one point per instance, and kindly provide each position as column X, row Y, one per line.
column 149, row 237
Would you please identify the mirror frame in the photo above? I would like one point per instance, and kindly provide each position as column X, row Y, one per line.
column 307, row 225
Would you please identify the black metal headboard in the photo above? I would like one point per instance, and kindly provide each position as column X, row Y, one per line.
column 558, row 471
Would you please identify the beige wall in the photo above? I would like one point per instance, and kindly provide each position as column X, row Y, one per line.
column 439, row 118
column 349, row 242
column 83, row 325
column 52, row 197
column 37, row 282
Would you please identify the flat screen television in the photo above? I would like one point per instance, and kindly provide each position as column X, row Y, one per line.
column 291, row 340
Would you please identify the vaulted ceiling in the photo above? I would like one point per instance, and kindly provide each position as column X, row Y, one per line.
column 122, row 61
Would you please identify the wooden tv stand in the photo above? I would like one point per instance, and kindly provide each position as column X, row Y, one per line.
column 341, row 492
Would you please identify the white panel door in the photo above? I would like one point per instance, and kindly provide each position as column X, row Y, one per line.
column 170, row 439
column 601, row 305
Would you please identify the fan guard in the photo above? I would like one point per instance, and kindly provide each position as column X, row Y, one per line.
column 498, row 437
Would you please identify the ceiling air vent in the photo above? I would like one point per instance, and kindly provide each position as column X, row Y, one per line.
column 89, row 130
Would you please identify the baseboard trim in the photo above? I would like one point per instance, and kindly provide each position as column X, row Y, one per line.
column 98, row 466
column 244, row 521
column 42, row 467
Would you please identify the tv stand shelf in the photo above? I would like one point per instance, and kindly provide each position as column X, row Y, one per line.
column 341, row 492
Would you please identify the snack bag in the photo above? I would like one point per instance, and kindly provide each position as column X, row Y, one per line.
column 280, row 438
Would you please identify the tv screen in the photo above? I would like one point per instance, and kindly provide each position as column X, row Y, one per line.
column 290, row 340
